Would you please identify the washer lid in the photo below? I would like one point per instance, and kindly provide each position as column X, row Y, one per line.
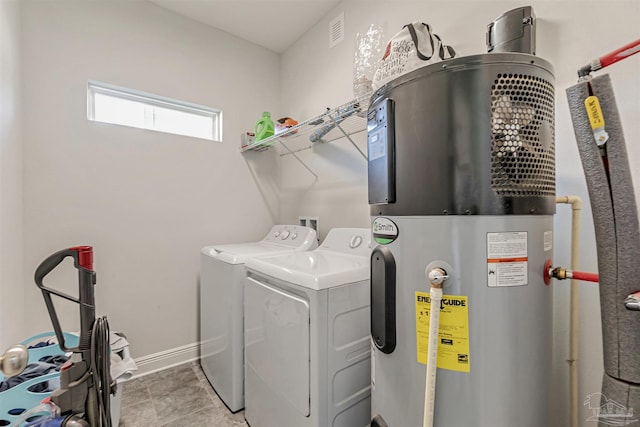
column 319, row 269
column 240, row 253
column 281, row 239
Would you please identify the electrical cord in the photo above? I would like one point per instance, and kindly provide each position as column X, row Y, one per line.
column 100, row 369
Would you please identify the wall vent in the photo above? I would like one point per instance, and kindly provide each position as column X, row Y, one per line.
column 336, row 30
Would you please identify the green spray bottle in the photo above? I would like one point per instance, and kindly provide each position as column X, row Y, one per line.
column 264, row 126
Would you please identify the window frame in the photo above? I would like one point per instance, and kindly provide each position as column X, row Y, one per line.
column 96, row 87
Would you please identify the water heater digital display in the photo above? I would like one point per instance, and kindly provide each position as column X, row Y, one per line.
column 381, row 153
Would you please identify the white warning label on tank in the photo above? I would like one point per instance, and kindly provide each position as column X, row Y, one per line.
column 548, row 240
column 507, row 259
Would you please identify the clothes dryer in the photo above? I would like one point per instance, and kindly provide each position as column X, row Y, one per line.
column 307, row 345
column 222, row 275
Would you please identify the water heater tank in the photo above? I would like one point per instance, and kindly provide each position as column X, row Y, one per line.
column 462, row 178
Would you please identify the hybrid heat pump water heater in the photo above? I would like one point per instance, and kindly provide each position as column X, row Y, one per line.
column 462, row 179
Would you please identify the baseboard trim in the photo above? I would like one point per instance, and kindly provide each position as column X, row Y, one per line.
column 167, row 359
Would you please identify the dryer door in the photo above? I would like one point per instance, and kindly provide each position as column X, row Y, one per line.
column 277, row 342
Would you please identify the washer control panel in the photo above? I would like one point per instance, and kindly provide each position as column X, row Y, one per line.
column 292, row 235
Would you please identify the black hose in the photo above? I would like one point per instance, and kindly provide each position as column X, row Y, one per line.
column 100, row 368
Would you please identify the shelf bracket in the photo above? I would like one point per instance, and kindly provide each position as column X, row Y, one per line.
column 337, row 124
column 298, row 159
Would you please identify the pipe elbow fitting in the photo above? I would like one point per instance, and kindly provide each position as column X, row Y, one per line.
column 437, row 277
column 559, row 273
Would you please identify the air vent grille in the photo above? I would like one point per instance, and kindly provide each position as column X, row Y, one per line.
column 336, row 30
column 522, row 136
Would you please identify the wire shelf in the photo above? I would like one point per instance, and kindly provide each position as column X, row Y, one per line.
column 343, row 121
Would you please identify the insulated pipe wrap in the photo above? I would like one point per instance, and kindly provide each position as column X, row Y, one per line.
column 604, row 223
column 616, row 226
column 623, row 393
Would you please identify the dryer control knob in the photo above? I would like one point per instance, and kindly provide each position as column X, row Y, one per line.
column 355, row 242
column 294, row 236
column 276, row 234
column 285, row 234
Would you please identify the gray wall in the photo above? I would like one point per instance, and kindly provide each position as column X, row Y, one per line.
column 570, row 34
column 11, row 238
column 147, row 201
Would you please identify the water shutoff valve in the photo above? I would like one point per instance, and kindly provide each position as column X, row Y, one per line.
column 437, row 277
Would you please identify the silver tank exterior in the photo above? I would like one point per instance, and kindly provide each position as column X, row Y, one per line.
column 509, row 328
column 470, row 150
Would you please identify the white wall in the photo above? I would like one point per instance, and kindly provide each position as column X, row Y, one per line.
column 11, row 259
column 570, row 34
column 147, row 201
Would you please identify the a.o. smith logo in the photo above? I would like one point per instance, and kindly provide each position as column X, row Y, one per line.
column 385, row 231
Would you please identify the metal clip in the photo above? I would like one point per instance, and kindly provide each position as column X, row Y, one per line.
column 632, row 302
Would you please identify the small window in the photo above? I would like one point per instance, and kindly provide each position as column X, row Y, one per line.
column 127, row 107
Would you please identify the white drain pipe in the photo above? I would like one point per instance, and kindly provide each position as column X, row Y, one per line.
column 574, row 319
column 437, row 277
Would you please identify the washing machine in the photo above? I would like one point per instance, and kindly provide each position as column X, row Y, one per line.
column 307, row 346
column 222, row 275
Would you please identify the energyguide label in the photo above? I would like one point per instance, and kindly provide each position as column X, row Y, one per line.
column 453, row 331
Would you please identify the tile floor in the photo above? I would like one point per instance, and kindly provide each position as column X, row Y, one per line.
column 177, row 397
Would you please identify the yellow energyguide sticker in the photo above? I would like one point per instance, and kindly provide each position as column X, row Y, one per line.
column 594, row 112
column 453, row 331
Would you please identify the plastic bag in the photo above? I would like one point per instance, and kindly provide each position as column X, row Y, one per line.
column 369, row 47
column 412, row 47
